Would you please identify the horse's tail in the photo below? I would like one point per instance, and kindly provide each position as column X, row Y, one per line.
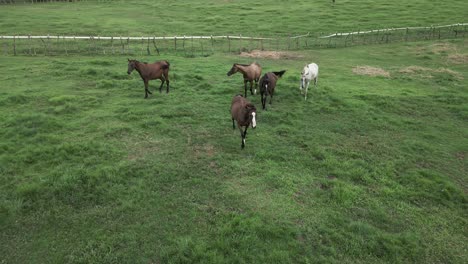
column 167, row 65
column 279, row 73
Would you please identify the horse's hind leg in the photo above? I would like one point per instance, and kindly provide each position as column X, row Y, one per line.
column 263, row 100
column 245, row 88
column 256, row 86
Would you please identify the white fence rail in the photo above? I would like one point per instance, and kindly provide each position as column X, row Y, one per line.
column 206, row 45
column 133, row 38
column 391, row 29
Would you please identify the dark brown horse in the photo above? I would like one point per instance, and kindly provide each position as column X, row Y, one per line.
column 251, row 73
column 151, row 71
column 268, row 84
column 244, row 113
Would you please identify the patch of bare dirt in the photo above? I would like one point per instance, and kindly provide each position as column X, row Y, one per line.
column 424, row 72
column 370, row 71
column 204, row 150
column 442, row 47
column 270, row 54
column 458, row 58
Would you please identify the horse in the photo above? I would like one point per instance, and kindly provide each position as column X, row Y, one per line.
column 151, row 71
column 244, row 113
column 268, row 84
column 309, row 73
column 251, row 73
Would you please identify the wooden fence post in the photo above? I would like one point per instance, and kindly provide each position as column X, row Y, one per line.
column 240, row 43
column 112, row 45
column 65, row 44
column 154, row 44
column 128, row 45
column 14, row 45
column 147, row 46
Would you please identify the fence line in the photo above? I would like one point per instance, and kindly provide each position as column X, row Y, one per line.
column 390, row 29
column 206, row 45
column 134, row 38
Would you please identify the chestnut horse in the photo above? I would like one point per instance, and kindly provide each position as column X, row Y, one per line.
column 151, row 71
column 268, row 84
column 244, row 113
column 251, row 73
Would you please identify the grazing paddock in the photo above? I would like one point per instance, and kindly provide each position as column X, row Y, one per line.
column 372, row 168
column 368, row 169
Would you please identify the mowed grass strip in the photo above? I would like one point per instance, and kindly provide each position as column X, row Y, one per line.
column 368, row 169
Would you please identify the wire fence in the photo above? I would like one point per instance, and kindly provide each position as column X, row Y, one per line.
column 191, row 46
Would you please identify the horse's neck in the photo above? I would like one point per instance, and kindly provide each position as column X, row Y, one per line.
column 242, row 69
column 138, row 67
column 245, row 114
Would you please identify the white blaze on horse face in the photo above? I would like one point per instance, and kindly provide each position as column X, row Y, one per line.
column 254, row 122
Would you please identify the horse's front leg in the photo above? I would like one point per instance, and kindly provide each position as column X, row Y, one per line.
column 251, row 86
column 167, row 84
column 233, row 125
column 306, row 89
column 146, row 89
column 160, row 87
column 243, row 134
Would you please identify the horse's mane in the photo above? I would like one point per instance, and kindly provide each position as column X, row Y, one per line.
column 245, row 65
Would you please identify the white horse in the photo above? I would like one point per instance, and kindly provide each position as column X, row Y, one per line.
column 309, row 73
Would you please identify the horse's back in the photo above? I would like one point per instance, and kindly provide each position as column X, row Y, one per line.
column 258, row 69
column 314, row 68
column 268, row 78
column 238, row 101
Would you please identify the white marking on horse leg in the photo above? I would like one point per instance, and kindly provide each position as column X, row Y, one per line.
column 243, row 140
column 307, row 87
column 254, row 122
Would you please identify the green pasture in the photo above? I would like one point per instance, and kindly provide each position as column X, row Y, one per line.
column 370, row 169
column 221, row 17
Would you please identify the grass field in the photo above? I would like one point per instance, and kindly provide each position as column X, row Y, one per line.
column 371, row 169
column 214, row 17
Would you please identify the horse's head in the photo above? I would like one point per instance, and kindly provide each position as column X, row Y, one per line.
column 131, row 65
column 233, row 70
column 251, row 112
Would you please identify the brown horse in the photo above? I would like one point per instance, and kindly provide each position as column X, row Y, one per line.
column 268, row 84
column 244, row 113
column 251, row 73
column 151, row 71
